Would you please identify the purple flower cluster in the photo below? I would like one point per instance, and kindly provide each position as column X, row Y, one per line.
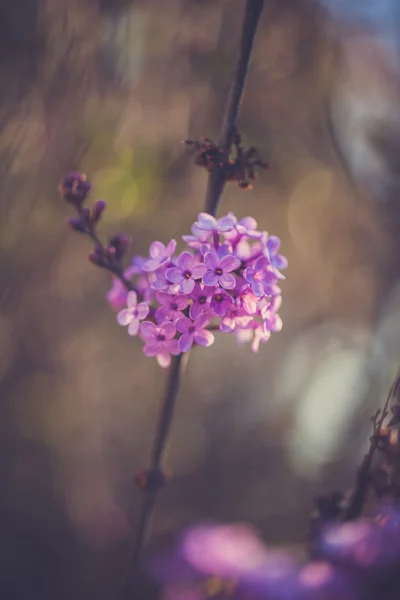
column 227, row 279
column 355, row 561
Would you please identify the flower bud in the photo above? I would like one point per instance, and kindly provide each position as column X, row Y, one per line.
column 77, row 225
column 96, row 257
column 98, row 210
column 75, row 188
column 119, row 243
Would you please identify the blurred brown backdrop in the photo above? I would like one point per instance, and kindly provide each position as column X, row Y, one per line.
column 111, row 88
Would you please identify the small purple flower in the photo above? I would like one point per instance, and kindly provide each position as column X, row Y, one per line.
column 271, row 319
column 201, row 297
column 219, row 270
column 159, row 341
column 221, row 302
column 194, row 332
column 159, row 254
column 231, row 550
column 171, row 306
column 206, row 222
column 260, row 335
column 117, row 294
column 261, row 276
column 188, row 270
column 277, row 260
column 132, row 315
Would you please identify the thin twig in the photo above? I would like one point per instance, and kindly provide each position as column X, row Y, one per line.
column 359, row 495
column 216, row 179
column 157, row 468
column 116, row 270
column 215, row 187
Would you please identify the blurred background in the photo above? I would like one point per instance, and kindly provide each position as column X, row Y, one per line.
column 111, row 88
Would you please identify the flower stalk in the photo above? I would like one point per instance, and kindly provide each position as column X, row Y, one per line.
column 216, row 183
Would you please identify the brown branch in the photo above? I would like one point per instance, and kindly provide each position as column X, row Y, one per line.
column 156, row 472
column 216, row 184
column 216, row 179
column 360, row 492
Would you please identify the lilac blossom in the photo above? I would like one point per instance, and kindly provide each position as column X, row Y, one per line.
column 272, row 246
column 117, row 294
column 188, row 270
column 219, row 270
column 221, row 302
column 207, row 225
column 171, row 306
column 159, row 341
column 228, row 281
column 132, row 315
column 261, row 276
column 201, row 300
column 194, row 332
column 159, row 255
column 356, row 561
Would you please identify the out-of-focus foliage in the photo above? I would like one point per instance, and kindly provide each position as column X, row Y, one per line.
column 113, row 88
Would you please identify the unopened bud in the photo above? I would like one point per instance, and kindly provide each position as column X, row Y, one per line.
column 75, row 188
column 96, row 257
column 98, row 210
column 120, row 243
column 77, row 225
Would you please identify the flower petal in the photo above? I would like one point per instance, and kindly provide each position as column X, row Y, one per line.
column 275, row 303
column 186, row 342
column 227, row 324
column 201, row 322
column 142, row 310
column 206, row 221
column 219, row 308
column 163, row 359
column 170, row 249
column 198, row 271
column 249, row 304
column 229, row 263
column 159, row 284
column 279, row 261
column 249, row 274
column 200, row 234
column 249, row 223
column 196, row 309
column 186, row 260
column 131, row 299
column 203, row 337
column 275, row 323
column 261, row 263
column 182, row 325
column 157, row 250
column 152, row 348
column 152, row 264
column 174, row 274
column 124, row 317
column 187, row 285
column 181, row 301
column 211, row 260
column 228, row 281
column 258, row 289
column 148, row 329
column 133, row 328
column 210, row 278
column 273, row 244
column 226, row 223
column 167, row 329
column 163, row 298
column 172, row 347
